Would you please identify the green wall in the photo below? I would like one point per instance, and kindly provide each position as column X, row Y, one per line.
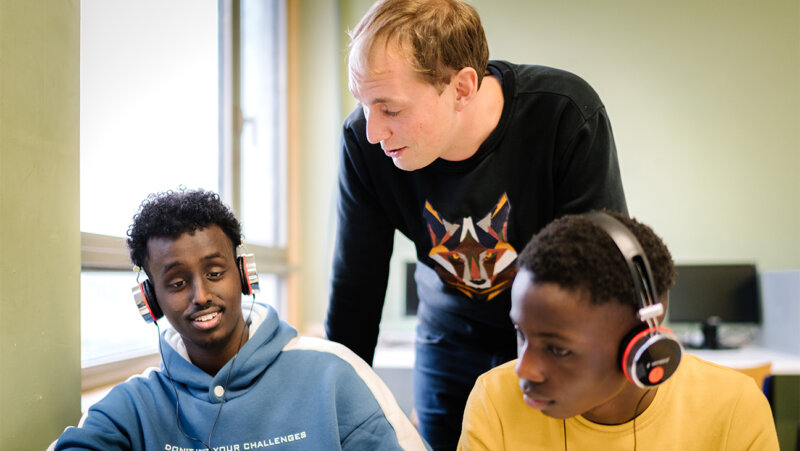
column 39, row 221
column 704, row 98
column 318, row 101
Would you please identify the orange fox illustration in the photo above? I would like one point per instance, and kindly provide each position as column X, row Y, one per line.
column 473, row 256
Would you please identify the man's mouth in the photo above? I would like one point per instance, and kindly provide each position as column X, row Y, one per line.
column 537, row 404
column 394, row 153
column 207, row 320
column 207, row 317
column 533, row 399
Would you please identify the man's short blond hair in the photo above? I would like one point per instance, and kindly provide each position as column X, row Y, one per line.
column 439, row 38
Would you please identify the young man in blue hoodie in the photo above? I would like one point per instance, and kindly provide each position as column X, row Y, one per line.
column 233, row 375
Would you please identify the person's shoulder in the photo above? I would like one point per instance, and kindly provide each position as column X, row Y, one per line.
column 699, row 366
column 315, row 343
column 322, row 346
column 537, row 74
column 136, row 383
column 723, row 398
column 713, row 378
column 539, row 79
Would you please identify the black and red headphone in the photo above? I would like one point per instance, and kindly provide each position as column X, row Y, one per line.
column 649, row 354
column 145, row 294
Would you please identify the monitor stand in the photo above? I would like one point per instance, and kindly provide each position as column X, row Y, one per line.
column 711, row 334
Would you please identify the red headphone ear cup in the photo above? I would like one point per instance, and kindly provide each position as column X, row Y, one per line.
column 248, row 275
column 144, row 295
column 626, row 345
column 649, row 358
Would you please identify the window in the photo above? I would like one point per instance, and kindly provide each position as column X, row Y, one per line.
column 176, row 93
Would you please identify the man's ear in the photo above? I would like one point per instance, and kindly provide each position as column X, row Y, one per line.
column 465, row 83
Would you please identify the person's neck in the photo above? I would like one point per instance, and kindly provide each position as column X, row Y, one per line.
column 481, row 116
column 629, row 404
column 212, row 359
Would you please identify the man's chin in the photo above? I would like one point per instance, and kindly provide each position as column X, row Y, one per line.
column 212, row 341
column 408, row 165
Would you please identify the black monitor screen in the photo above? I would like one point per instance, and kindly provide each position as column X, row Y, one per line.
column 729, row 292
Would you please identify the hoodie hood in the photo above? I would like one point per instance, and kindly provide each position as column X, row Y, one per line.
column 268, row 336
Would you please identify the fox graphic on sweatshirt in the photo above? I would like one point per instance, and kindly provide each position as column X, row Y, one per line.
column 473, row 256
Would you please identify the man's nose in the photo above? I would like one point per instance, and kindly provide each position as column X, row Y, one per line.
column 529, row 367
column 377, row 129
column 200, row 293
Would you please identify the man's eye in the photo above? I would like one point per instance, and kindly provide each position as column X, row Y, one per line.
column 215, row 274
column 177, row 284
column 559, row 352
column 391, row 113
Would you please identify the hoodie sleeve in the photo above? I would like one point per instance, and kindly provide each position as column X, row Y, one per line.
column 106, row 425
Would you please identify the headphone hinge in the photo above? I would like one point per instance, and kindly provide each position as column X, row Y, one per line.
column 650, row 312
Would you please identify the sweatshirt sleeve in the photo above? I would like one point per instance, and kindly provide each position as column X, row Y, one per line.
column 102, row 427
column 363, row 247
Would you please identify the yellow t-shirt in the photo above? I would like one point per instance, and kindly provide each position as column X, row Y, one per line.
column 703, row 406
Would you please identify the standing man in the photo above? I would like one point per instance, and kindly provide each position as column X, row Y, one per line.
column 469, row 158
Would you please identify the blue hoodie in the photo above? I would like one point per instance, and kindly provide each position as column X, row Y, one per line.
column 284, row 393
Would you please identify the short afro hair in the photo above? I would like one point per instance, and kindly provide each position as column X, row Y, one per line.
column 579, row 255
column 170, row 214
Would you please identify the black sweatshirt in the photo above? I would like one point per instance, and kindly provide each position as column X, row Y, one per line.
column 552, row 153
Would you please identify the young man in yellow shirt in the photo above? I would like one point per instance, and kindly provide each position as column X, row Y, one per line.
column 595, row 370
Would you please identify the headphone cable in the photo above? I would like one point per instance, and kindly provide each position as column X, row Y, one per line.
column 177, row 398
column 227, row 379
column 230, row 370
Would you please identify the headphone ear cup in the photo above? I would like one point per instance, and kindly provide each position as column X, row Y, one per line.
column 248, row 275
column 649, row 358
column 145, row 296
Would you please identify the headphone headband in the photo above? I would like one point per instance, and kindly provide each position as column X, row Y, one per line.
column 649, row 354
column 634, row 255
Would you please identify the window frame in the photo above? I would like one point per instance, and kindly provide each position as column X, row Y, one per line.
column 104, row 252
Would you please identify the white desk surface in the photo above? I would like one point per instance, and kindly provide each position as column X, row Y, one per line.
column 782, row 363
column 397, row 356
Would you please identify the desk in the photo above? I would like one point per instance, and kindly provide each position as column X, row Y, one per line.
column 782, row 363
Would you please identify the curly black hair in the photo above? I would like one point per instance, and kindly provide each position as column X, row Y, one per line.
column 170, row 214
column 577, row 254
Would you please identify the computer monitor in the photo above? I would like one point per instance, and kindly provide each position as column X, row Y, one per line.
column 714, row 294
